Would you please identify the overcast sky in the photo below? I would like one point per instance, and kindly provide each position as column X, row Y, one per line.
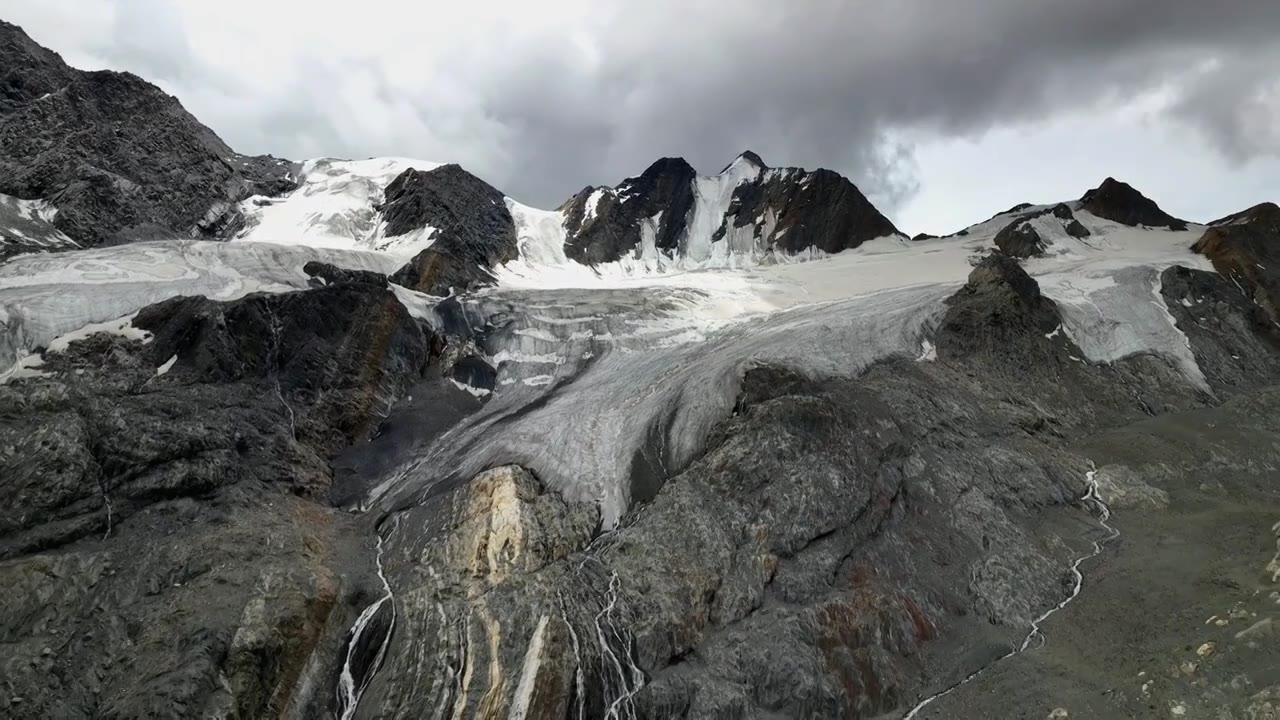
column 943, row 111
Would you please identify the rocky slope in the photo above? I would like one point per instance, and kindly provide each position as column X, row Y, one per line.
column 118, row 158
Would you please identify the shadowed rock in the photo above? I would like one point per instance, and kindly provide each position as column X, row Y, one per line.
column 1118, row 201
column 167, row 536
column 612, row 226
column 821, row 210
column 474, row 231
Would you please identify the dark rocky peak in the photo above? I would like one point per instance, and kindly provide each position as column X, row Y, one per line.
column 749, row 157
column 1118, row 201
column 474, row 228
column 603, row 224
column 786, row 209
column 821, row 210
column 447, row 198
column 997, row 274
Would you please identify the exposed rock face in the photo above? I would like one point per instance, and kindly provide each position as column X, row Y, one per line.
column 1118, row 201
column 1021, row 239
column 1246, row 248
column 330, row 274
column 120, row 159
column 603, row 224
column 1234, row 339
column 1000, row 317
column 474, row 229
column 748, row 208
column 174, row 491
column 819, row 209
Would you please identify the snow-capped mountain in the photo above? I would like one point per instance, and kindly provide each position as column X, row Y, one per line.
column 370, row 439
column 746, row 214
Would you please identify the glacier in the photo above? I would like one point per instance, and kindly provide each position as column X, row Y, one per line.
column 569, row 340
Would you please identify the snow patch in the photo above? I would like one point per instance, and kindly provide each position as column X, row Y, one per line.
column 167, row 366
column 25, row 367
column 334, row 207
column 477, row 392
column 593, row 202
column 122, row 327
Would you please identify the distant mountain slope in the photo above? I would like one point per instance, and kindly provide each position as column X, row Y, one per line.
column 118, row 158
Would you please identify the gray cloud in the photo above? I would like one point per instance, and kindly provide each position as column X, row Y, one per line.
column 597, row 94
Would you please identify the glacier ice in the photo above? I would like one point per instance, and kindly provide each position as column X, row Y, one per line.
column 46, row 296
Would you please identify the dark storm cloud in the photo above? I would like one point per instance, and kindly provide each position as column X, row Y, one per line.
column 828, row 83
column 600, row 90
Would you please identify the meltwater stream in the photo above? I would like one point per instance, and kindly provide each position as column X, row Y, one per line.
column 1094, row 503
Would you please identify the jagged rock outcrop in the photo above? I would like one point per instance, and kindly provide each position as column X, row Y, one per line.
column 748, row 209
column 474, row 231
column 119, row 159
column 603, row 224
column 1000, row 318
column 1021, row 239
column 1246, row 248
column 1118, row 201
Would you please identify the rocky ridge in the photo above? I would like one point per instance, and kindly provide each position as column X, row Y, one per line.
column 119, row 159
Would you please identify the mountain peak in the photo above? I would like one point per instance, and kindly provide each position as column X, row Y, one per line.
column 1121, row 202
column 749, row 157
column 673, row 166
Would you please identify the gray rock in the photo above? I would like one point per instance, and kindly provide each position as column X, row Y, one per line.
column 475, row 232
